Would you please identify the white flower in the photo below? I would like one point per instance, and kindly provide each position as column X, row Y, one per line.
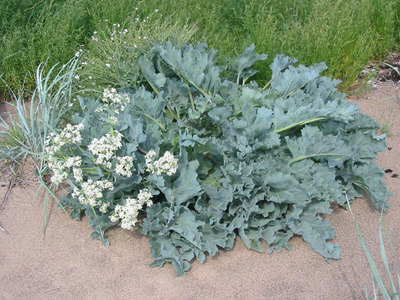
column 104, row 207
column 104, row 148
column 78, row 174
column 74, row 161
column 113, row 120
column 58, row 177
column 114, row 218
column 150, row 156
column 111, row 97
column 128, row 213
column 108, row 65
column 166, row 164
column 124, row 166
column 54, row 142
column 144, row 197
column 70, row 135
column 91, row 192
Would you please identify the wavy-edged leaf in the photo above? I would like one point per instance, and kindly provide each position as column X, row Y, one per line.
column 315, row 231
column 243, row 63
column 312, row 144
column 195, row 65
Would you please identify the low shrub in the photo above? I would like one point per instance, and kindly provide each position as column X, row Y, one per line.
column 197, row 155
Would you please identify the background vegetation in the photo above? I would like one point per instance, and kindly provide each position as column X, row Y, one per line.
column 344, row 34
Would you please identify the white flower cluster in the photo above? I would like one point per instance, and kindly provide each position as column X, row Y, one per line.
column 166, row 164
column 78, row 174
column 104, row 148
column 128, row 213
column 124, row 166
column 111, row 97
column 74, row 161
column 60, row 168
column 92, row 193
column 58, row 176
column 70, row 135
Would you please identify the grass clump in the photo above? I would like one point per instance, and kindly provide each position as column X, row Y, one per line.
column 344, row 34
column 26, row 134
column 35, row 32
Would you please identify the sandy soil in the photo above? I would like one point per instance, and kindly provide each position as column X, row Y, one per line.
column 67, row 264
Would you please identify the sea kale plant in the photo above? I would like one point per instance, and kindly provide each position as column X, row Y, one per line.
column 198, row 155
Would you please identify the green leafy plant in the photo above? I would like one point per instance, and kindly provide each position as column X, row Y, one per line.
column 213, row 156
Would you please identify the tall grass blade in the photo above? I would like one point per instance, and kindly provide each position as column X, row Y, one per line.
column 384, row 257
column 392, row 67
column 376, row 276
column 366, row 292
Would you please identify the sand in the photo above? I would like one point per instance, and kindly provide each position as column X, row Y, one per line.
column 67, row 264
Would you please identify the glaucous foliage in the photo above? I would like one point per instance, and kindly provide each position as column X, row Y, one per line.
column 215, row 156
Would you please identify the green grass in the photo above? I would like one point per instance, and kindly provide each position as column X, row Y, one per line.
column 110, row 58
column 344, row 34
column 49, row 30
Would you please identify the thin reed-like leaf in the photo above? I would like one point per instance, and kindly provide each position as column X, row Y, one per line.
column 376, row 276
column 384, row 257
